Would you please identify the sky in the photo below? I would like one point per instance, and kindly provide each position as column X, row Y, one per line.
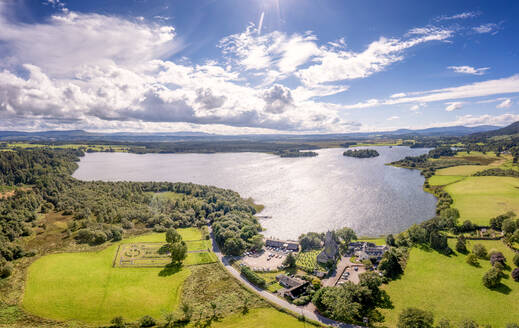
column 257, row 66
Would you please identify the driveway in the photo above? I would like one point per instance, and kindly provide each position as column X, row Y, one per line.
column 273, row 298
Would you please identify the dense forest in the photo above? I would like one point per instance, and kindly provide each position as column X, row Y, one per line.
column 103, row 211
column 361, row 153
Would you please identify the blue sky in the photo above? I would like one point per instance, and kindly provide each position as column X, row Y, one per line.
column 257, row 66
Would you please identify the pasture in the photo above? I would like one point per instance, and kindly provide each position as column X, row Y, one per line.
column 443, row 180
column 86, row 287
column 451, row 288
column 480, row 198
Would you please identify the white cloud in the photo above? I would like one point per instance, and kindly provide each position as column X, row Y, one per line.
column 108, row 71
column 398, row 95
column 417, row 107
column 392, row 118
column 487, row 28
column 486, row 119
column 452, row 106
column 469, row 70
column 507, row 103
column 464, row 15
column 337, row 64
column 508, row 85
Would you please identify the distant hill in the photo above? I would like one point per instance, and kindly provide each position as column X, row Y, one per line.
column 506, row 131
column 121, row 137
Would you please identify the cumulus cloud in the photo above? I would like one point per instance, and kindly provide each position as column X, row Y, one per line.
column 277, row 99
column 417, row 107
column 469, row 70
column 209, row 101
column 452, row 106
column 486, row 119
column 507, row 103
column 339, row 64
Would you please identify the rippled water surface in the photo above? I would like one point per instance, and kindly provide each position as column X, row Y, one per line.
column 301, row 194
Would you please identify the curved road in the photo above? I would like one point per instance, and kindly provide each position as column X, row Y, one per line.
column 273, row 298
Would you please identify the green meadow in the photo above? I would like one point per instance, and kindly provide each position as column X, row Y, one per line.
column 480, row 198
column 86, row 287
column 451, row 288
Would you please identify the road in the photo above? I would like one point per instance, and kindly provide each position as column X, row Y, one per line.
column 273, row 298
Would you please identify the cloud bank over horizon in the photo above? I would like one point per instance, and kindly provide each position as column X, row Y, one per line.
column 107, row 72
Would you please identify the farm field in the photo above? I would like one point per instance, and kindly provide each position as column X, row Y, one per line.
column 480, row 198
column 451, row 288
column 85, row 287
column 442, row 180
column 260, row 318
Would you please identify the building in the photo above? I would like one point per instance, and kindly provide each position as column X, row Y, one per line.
column 330, row 251
column 366, row 250
column 289, row 245
column 294, row 287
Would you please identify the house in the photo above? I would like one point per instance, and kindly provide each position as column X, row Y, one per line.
column 289, row 245
column 292, row 246
column 274, row 243
column 294, row 287
column 330, row 251
column 365, row 250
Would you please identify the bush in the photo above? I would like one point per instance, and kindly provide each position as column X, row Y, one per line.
column 480, row 251
column 253, row 277
column 415, row 318
column 461, row 247
column 472, row 260
column 497, row 257
column 303, row 300
column 118, row 322
column 6, row 270
column 516, row 259
column 147, row 321
column 515, row 274
column 492, row 278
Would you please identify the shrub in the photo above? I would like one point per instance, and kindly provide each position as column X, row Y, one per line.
column 492, row 278
column 6, row 270
column 497, row 257
column 472, row 260
column 515, row 274
column 461, row 247
column 516, row 259
column 147, row 321
column 253, row 277
column 415, row 318
column 480, row 251
column 118, row 322
column 303, row 300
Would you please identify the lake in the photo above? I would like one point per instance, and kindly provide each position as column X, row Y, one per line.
column 301, row 194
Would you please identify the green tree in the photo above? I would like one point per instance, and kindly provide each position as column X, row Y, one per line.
column 233, row 246
column 461, row 246
column 290, row 261
column 480, row 251
column 509, row 226
column 390, row 264
column 417, row 234
column 390, row 240
column 147, row 321
column 178, row 252
column 172, row 236
column 346, row 235
column 492, row 278
column 256, row 242
column 516, row 259
column 469, row 324
column 472, row 260
column 415, row 318
column 444, row 323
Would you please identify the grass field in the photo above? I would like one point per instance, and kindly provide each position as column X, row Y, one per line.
column 85, row 286
column 442, row 180
column 376, row 241
column 260, row 318
column 480, row 198
column 451, row 288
